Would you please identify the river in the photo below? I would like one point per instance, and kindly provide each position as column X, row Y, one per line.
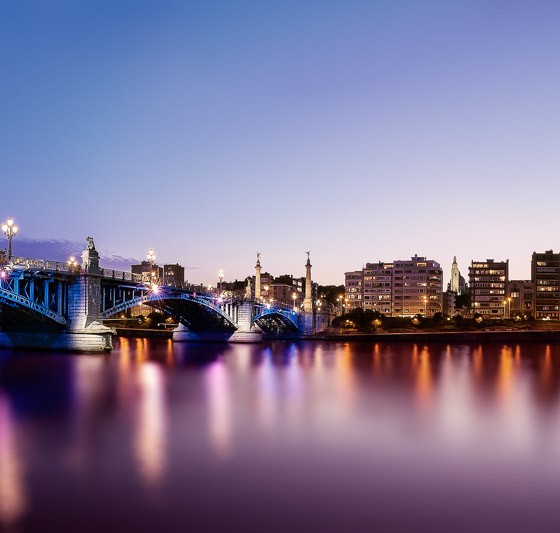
column 283, row 436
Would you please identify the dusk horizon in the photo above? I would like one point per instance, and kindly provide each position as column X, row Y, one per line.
column 360, row 131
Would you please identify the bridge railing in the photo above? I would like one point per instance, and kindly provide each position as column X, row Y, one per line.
column 121, row 275
column 42, row 264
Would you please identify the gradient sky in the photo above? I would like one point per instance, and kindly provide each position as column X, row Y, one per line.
column 359, row 130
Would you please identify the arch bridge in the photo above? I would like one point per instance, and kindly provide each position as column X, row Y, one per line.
column 54, row 302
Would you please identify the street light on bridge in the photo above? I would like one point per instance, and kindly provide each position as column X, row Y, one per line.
column 151, row 256
column 72, row 264
column 10, row 229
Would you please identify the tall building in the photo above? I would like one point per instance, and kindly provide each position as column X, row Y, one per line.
column 377, row 287
column 488, row 281
column 457, row 283
column 545, row 275
column 417, row 287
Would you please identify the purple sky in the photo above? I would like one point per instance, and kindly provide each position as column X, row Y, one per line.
column 359, row 130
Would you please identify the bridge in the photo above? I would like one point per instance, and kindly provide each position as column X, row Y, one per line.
column 54, row 305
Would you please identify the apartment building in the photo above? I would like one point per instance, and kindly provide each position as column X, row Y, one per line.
column 401, row 288
column 353, row 290
column 545, row 275
column 377, row 287
column 488, row 281
column 417, row 287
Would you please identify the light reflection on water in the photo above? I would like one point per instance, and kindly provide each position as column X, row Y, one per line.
column 13, row 498
column 322, row 436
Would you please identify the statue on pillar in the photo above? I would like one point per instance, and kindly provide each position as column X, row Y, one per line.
column 90, row 257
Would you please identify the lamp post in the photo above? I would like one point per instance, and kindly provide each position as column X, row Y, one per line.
column 294, row 296
column 339, row 299
column 425, row 298
column 151, row 256
column 10, row 229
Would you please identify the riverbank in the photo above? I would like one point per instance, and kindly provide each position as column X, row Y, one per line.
column 469, row 336
column 448, row 336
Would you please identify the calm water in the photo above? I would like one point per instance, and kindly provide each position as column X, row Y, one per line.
column 282, row 437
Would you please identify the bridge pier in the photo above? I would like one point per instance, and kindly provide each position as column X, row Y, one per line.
column 86, row 331
column 246, row 330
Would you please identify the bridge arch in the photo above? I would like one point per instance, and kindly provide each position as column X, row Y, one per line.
column 17, row 311
column 276, row 321
column 196, row 312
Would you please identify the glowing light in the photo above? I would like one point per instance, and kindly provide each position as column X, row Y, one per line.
column 155, row 288
column 151, row 430
column 13, row 499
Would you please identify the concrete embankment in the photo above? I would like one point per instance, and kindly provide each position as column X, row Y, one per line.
column 454, row 337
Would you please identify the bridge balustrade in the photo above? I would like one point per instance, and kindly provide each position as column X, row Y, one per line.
column 26, row 263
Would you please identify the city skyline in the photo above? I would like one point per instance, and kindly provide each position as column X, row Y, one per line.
column 360, row 131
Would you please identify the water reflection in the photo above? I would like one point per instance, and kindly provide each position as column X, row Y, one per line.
column 364, row 428
column 151, row 424
column 13, row 499
column 219, row 409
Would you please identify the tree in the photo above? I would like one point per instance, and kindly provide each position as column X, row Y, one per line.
column 330, row 293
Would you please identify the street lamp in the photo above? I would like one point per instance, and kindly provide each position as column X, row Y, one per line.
column 339, row 299
column 10, row 230
column 509, row 307
column 294, row 296
column 72, row 264
column 425, row 298
column 151, row 256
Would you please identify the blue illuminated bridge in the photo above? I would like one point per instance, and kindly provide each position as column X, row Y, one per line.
column 50, row 304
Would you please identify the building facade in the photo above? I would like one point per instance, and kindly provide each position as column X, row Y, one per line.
column 150, row 272
column 174, row 275
column 377, row 294
column 353, row 290
column 521, row 298
column 488, row 281
column 401, row 288
column 417, row 287
column 545, row 275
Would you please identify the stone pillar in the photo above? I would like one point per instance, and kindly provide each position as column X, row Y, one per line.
column 308, row 300
column 84, row 305
column 258, row 278
column 246, row 331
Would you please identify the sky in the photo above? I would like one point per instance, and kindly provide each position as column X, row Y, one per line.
column 359, row 130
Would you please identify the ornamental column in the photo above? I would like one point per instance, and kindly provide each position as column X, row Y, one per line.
column 308, row 300
column 258, row 278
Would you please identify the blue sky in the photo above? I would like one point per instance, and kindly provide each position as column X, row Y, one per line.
column 359, row 130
